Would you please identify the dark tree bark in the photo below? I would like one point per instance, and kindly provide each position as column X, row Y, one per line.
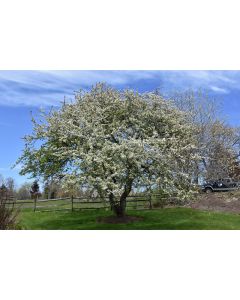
column 119, row 207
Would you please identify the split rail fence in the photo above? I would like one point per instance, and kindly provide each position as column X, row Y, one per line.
column 147, row 201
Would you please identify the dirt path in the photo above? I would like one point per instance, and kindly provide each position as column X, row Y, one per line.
column 223, row 201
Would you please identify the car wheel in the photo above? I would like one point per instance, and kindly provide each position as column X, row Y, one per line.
column 208, row 190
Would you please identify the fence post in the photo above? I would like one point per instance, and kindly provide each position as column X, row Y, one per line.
column 72, row 202
column 150, row 201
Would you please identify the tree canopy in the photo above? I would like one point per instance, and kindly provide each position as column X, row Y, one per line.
column 113, row 141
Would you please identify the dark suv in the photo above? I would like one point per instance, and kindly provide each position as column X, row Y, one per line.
column 220, row 185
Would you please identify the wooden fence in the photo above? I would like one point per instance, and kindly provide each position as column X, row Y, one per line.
column 147, row 201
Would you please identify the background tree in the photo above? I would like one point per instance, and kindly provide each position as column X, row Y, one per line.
column 11, row 186
column 221, row 152
column 23, row 191
column 113, row 141
column 217, row 142
column 1, row 179
column 8, row 215
column 35, row 190
column 3, row 191
column 52, row 189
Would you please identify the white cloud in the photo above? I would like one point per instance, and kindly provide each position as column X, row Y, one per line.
column 44, row 88
column 212, row 76
column 34, row 88
column 216, row 81
column 219, row 90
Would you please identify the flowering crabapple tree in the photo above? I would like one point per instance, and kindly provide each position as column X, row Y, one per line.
column 113, row 141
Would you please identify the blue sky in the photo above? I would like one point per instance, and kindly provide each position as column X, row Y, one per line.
column 24, row 91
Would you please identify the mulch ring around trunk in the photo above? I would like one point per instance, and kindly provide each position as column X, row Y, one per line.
column 119, row 220
column 225, row 202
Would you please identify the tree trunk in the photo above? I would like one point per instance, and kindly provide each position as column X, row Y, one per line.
column 119, row 210
column 119, row 207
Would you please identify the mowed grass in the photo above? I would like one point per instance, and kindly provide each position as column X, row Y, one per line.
column 168, row 218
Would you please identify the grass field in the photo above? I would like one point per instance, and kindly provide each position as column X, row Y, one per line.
column 168, row 218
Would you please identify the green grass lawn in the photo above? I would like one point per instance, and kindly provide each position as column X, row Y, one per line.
column 168, row 218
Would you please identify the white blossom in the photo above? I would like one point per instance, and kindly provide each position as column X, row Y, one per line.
column 108, row 139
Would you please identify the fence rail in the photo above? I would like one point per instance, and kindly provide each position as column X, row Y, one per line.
column 146, row 201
